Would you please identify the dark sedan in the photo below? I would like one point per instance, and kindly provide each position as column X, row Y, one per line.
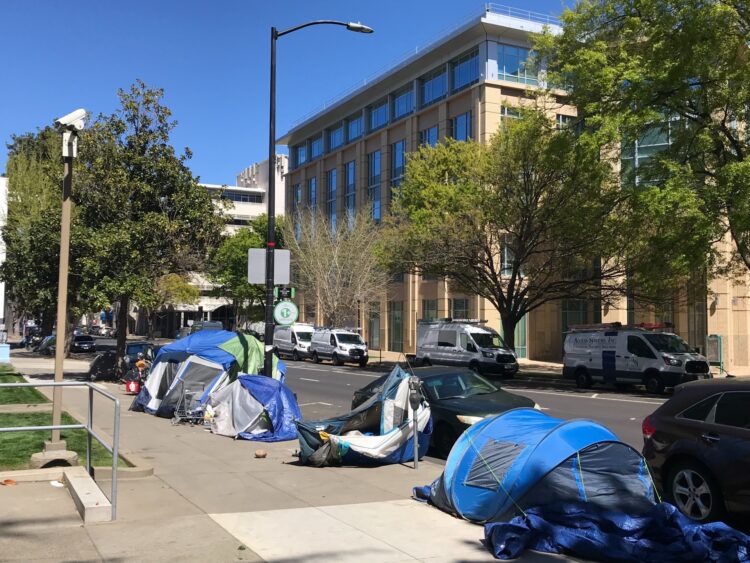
column 83, row 343
column 458, row 398
column 698, row 447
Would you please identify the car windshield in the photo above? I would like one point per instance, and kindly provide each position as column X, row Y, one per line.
column 134, row 349
column 349, row 338
column 668, row 343
column 453, row 385
column 488, row 339
column 83, row 338
column 304, row 336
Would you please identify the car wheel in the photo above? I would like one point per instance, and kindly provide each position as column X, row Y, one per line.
column 444, row 438
column 654, row 384
column 315, row 358
column 335, row 359
column 583, row 379
column 426, row 362
column 295, row 356
column 362, row 363
column 694, row 492
column 474, row 366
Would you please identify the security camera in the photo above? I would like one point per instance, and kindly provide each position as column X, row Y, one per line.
column 74, row 120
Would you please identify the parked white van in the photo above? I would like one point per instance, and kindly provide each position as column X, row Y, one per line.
column 339, row 345
column 293, row 341
column 612, row 353
column 464, row 343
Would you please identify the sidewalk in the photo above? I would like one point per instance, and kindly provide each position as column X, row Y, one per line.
column 210, row 498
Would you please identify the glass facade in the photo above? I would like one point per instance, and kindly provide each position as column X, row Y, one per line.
column 433, row 87
column 403, row 103
column 378, row 115
column 429, row 136
column 332, row 198
column 373, row 184
column 373, row 325
column 461, row 126
column 636, row 154
column 241, row 197
column 563, row 121
column 509, row 112
column 300, row 154
column 514, row 65
column 398, row 160
column 396, row 326
column 350, row 191
column 460, row 308
column 354, row 128
column 335, row 137
column 296, row 199
column 465, row 71
column 429, row 309
column 316, row 147
column 312, row 193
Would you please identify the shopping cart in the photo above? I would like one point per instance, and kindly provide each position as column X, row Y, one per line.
column 188, row 409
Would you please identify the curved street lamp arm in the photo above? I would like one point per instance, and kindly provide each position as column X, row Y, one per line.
column 308, row 24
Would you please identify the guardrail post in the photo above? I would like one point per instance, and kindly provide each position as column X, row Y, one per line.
column 115, row 456
column 89, row 427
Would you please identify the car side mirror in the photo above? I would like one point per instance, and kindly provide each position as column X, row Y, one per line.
column 697, row 350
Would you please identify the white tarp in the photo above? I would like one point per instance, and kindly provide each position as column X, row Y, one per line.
column 235, row 411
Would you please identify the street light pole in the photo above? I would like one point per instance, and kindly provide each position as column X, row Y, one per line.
column 271, row 195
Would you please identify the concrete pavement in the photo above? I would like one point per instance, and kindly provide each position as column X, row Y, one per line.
column 211, row 498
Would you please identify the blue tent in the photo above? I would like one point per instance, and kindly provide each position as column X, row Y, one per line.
column 255, row 407
column 523, row 458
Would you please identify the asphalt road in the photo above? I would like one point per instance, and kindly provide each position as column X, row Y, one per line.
column 324, row 391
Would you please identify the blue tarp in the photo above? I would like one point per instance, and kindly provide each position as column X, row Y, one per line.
column 280, row 405
column 660, row 535
column 204, row 344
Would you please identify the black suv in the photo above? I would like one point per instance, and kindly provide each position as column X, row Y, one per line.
column 698, row 447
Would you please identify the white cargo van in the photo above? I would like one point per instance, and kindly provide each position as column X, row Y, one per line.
column 464, row 343
column 340, row 345
column 293, row 341
column 615, row 354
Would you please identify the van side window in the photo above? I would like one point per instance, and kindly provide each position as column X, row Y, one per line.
column 463, row 339
column 638, row 347
column 333, row 340
column 447, row 338
column 431, row 338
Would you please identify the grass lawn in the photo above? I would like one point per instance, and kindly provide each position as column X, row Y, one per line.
column 16, row 447
column 19, row 395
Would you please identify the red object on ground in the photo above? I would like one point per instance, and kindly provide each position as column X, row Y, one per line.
column 132, row 387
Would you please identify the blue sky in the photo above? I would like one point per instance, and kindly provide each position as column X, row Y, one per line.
column 211, row 58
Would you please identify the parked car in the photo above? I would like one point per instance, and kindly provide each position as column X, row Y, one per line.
column 339, row 345
column 698, row 447
column 458, row 398
column 464, row 343
column 293, row 341
column 103, row 366
column 206, row 325
column 621, row 355
column 83, row 343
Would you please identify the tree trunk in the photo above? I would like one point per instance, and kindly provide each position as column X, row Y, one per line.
column 509, row 330
column 122, row 328
column 151, row 324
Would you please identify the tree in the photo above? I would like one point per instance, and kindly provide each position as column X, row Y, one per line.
column 169, row 289
column 336, row 268
column 676, row 71
column 525, row 220
column 143, row 211
column 228, row 268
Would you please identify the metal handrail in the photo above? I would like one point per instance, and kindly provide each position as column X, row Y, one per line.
column 89, row 427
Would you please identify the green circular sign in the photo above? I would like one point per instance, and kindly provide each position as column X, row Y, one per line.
column 285, row 313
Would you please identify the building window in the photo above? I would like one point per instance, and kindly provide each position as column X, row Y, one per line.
column 332, row 198
column 459, row 308
column 433, row 87
column 403, row 103
column 354, row 127
column 310, row 312
column 515, row 65
column 373, row 325
column 461, row 126
column 506, row 258
column 564, row 121
column 350, row 191
column 396, row 326
column 510, row 113
column 378, row 115
column 241, row 197
column 300, row 154
column 465, row 70
column 574, row 312
column 429, row 309
column 373, row 184
column 296, row 198
column 636, row 154
column 312, row 193
column 398, row 277
column 335, row 137
column 429, row 136
column 398, row 156
column 316, row 147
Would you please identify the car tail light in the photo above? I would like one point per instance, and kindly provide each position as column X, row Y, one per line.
column 647, row 427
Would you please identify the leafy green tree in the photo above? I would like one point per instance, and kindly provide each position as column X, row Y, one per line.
column 525, row 220
column 674, row 71
column 170, row 289
column 228, row 268
column 143, row 212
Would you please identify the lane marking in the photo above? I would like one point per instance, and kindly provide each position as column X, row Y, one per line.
column 595, row 395
column 315, row 403
column 574, row 396
column 306, row 379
